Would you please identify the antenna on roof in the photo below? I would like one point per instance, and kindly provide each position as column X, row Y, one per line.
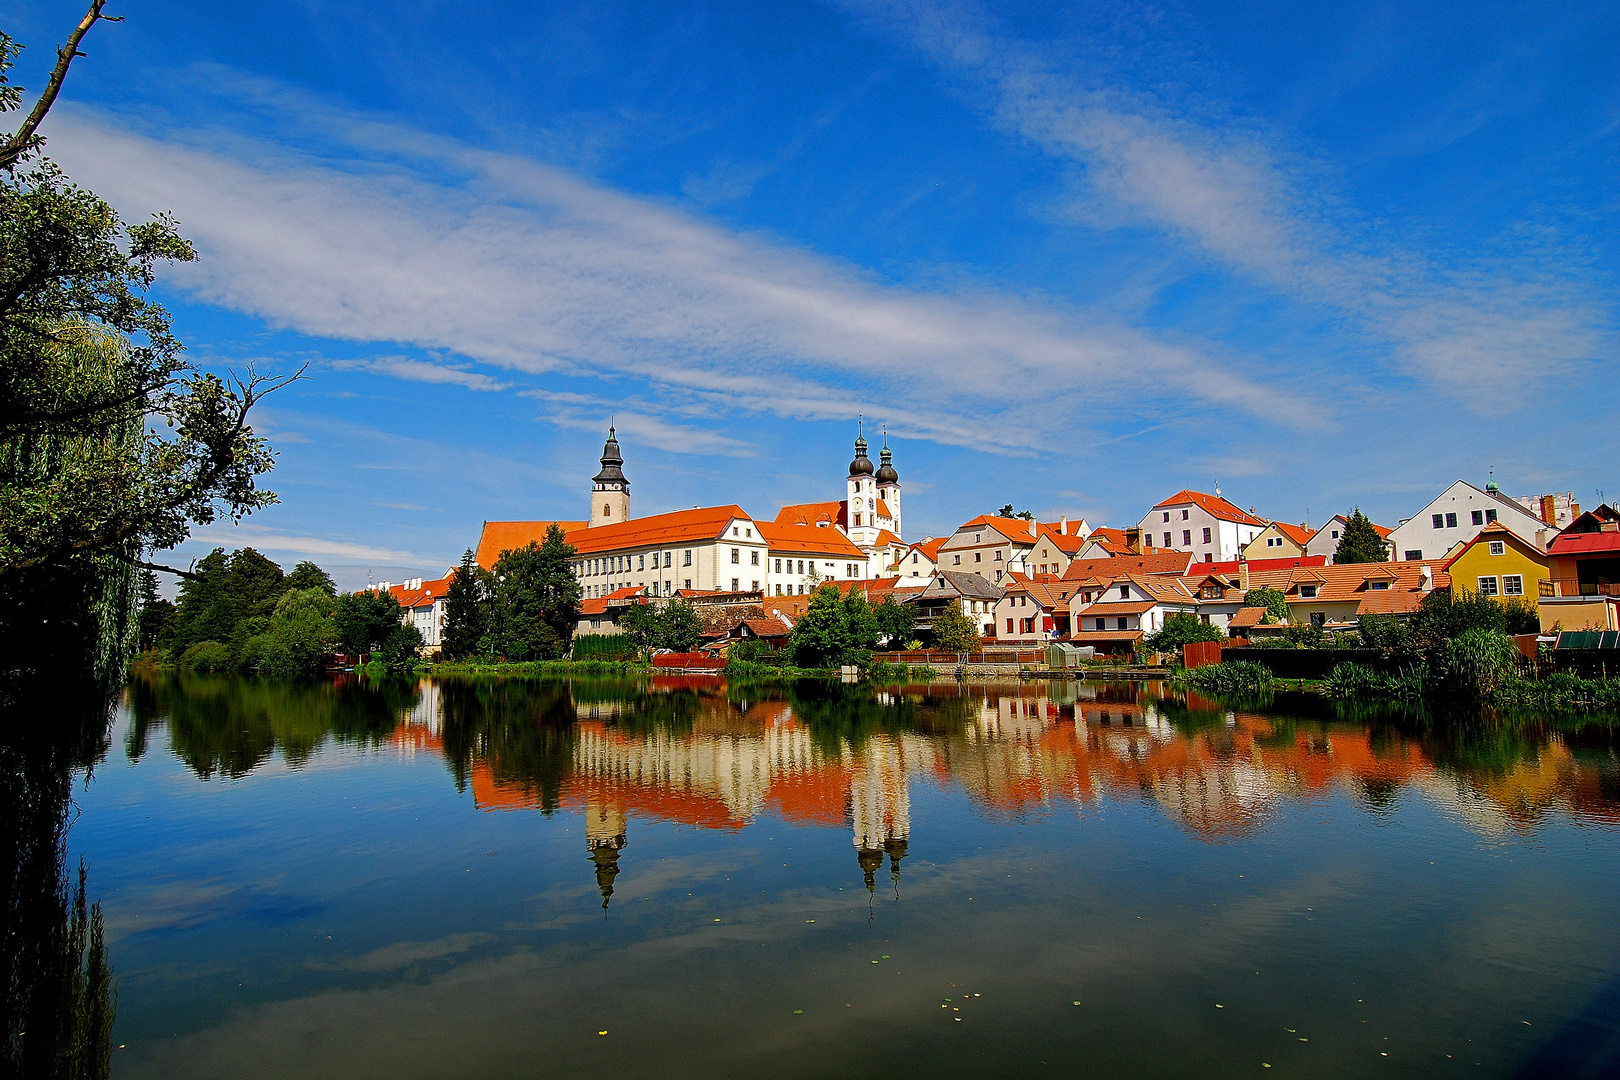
column 1217, row 489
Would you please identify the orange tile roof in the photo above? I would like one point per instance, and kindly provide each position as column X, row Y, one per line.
column 930, row 547
column 1104, row 535
column 807, row 539
column 424, row 595
column 1012, row 528
column 825, row 514
column 885, row 538
column 1247, row 617
column 1213, row 505
column 1497, row 531
column 1299, row 534
column 1068, row 543
column 1348, row 582
column 676, row 527
column 1049, row 594
column 499, row 536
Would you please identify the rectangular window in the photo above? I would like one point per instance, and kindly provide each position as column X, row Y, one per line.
column 753, row 586
column 978, row 556
column 778, row 568
column 1498, row 547
column 1167, row 515
column 956, row 560
column 1186, row 538
column 669, row 558
column 1378, row 586
column 1478, row 517
column 1009, row 626
column 1166, row 539
column 641, row 562
column 1490, row 516
column 753, row 558
column 779, row 590
column 801, row 566
column 1512, row 585
column 687, row 585
column 1124, row 592
column 1308, row 592
column 1318, row 619
column 998, row 556
column 1414, row 555
column 801, row 590
column 734, row 531
column 736, row 556
column 857, row 520
column 1487, row 586
column 1206, row 537
column 1120, row 622
column 1451, row 521
column 734, row 585
column 1439, row 521
column 688, row 560
column 1101, row 624
column 1026, row 626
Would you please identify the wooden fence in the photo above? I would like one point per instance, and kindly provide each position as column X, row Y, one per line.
column 689, row 660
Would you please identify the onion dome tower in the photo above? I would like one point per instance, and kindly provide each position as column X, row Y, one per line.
column 888, row 484
column 610, row 490
column 860, row 497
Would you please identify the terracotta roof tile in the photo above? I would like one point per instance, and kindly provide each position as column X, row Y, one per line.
column 808, row 539
column 1213, row 505
column 1168, row 562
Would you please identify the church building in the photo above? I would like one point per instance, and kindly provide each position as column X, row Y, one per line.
column 719, row 548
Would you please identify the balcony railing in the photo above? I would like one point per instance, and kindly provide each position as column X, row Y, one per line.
column 1576, row 587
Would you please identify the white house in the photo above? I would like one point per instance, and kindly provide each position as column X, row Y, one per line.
column 1325, row 541
column 1207, row 525
column 1456, row 517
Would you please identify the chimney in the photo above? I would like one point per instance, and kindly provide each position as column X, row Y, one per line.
column 1426, row 578
column 1063, row 525
column 1034, row 529
column 1243, row 573
column 1574, row 510
column 1541, row 539
column 1133, row 540
column 1549, row 510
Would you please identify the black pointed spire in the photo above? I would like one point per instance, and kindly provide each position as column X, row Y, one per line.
column 612, row 463
column 862, row 465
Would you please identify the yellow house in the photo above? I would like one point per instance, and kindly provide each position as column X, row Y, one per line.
column 1498, row 563
column 1279, row 540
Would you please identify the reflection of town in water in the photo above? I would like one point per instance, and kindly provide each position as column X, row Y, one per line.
column 692, row 752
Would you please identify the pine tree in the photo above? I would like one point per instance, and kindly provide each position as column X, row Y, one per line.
column 1360, row 542
column 307, row 575
column 466, row 610
column 157, row 614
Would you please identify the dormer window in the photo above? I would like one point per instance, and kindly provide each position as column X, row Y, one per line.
column 1377, row 586
column 1124, row 592
column 1307, row 592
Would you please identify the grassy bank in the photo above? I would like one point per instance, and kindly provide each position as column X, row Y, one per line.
column 552, row 668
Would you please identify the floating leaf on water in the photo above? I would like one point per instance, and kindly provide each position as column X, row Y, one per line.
column 798, row 1012
column 1220, row 1006
column 601, row 1033
column 1077, row 1003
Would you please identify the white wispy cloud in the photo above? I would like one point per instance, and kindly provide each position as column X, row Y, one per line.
column 240, row 536
column 1478, row 326
column 403, row 367
column 520, row 265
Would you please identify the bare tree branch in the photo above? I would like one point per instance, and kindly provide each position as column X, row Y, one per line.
column 27, row 136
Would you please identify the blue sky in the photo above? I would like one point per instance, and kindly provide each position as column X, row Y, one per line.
column 1076, row 258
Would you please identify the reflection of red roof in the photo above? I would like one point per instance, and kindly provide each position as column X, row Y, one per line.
column 1213, row 505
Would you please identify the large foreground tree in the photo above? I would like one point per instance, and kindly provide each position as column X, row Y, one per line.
column 111, row 445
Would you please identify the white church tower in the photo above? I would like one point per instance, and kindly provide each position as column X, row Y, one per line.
column 888, row 485
column 860, row 493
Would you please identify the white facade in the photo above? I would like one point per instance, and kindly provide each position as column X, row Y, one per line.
column 1456, row 517
column 1209, row 527
column 735, row 560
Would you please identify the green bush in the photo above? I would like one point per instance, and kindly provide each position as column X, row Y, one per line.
column 399, row 652
column 1242, row 678
column 756, row 652
column 1354, row 682
column 604, row 647
column 1481, row 660
column 206, row 656
column 1181, row 629
column 1275, row 603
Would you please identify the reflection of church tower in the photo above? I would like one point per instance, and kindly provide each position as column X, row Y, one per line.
column 880, row 804
column 605, row 837
column 610, row 491
column 860, row 507
column 888, row 484
column 897, row 851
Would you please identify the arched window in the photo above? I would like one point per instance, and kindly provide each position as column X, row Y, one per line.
column 607, row 511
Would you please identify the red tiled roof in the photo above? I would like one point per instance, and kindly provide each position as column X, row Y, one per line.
column 929, row 548
column 885, row 538
column 1247, row 617
column 677, row 527
column 424, row 595
column 1568, row 543
column 769, row 628
column 1168, row 562
column 1213, row 505
column 1012, row 528
column 1068, row 543
column 1348, row 582
column 807, row 539
column 1230, row 566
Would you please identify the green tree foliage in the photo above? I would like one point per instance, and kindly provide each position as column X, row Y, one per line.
column 156, row 615
column 1275, row 603
column 110, row 444
column 1360, row 542
column 894, row 621
column 955, row 632
column 861, row 621
column 1007, row 511
column 1480, row 660
column 206, row 657
column 306, row 575
column 362, row 621
column 1521, row 615
column 298, row 639
column 1385, row 632
column 400, row 652
column 225, row 592
column 681, row 626
column 1181, row 629
column 821, row 637
column 641, row 624
column 537, row 599
column 466, row 610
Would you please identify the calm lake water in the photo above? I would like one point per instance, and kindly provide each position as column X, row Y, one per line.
column 675, row 878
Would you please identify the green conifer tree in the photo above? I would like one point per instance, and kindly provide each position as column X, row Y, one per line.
column 1360, row 542
column 466, row 610
column 861, row 620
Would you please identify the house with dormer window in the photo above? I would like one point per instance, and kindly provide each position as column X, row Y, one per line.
column 1455, row 517
column 1127, row 608
column 1211, row 528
